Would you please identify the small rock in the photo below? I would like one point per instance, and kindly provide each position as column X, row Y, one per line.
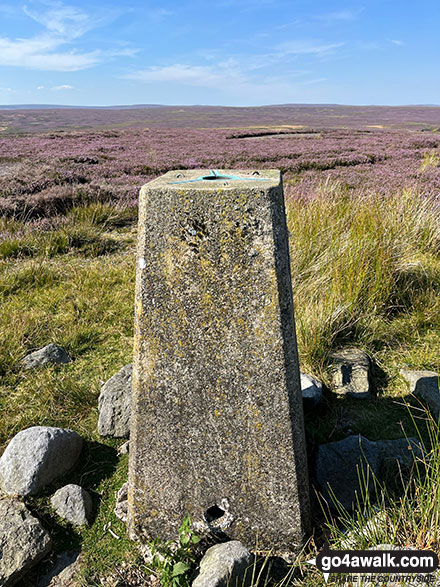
column 311, row 390
column 37, row 456
column 340, row 464
column 425, row 385
column 23, row 541
column 115, row 405
column 63, row 572
column 73, row 503
column 402, row 450
column 351, row 373
column 225, row 564
column 52, row 353
column 124, row 449
column 121, row 507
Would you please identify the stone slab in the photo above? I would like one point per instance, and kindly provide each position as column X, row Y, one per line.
column 217, row 418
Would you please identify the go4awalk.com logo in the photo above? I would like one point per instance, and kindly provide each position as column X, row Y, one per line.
column 395, row 562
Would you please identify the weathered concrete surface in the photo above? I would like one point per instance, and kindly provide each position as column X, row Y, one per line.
column 217, row 417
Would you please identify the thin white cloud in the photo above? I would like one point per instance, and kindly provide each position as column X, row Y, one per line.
column 226, row 78
column 397, row 42
column 190, row 75
column 307, row 47
column 339, row 15
column 160, row 13
column 244, row 75
column 62, row 87
column 41, row 53
column 7, row 10
column 47, row 51
column 68, row 21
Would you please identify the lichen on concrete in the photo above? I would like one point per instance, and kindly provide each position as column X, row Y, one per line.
column 217, row 410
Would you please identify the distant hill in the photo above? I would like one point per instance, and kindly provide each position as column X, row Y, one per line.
column 137, row 106
column 32, row 118
column 62, row 106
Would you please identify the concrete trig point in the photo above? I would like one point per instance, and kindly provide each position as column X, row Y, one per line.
column 217, row 426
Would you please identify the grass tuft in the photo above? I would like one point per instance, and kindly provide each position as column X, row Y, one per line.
column 362, row 269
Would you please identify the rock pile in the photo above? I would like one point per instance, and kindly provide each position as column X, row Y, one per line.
column 34, row 458
column 39, row 455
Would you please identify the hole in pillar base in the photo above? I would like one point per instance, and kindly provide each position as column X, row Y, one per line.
column 213, row 513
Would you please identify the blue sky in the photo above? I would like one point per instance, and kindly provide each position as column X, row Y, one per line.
column 221, row 52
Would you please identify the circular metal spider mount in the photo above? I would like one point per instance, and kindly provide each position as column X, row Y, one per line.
column 217, row 176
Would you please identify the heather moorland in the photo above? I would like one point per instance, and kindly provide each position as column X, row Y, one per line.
column 362, row 192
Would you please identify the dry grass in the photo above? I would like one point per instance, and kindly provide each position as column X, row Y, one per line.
column 365, row 271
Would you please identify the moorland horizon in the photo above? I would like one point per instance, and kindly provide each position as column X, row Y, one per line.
column 37, row 106
column 281, row 117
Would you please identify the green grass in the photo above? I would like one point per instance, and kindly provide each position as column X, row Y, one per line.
column 86, row 306
column 366, row 272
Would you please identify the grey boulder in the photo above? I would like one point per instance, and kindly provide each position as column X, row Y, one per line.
column 63, row 571
column 311, row 390
column 37, row 456
column 350, row 370
column 425, row 385
column 399, row 454
column 342, row 466
column 74, row 504
column 23, row 541
column 115, row 405
column 227, row 564
column 50, row 354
